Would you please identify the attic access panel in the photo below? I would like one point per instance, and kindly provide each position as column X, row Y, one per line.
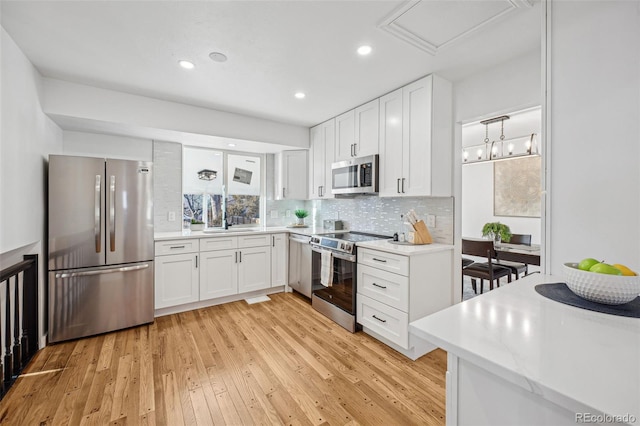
column 433, row 25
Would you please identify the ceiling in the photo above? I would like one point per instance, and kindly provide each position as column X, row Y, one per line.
column 274, row 48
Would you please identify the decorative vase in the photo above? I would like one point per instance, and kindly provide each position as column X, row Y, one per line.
column 197, row 226
column 497, row 239
column 300, row 221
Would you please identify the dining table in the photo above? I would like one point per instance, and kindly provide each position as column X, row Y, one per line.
column 518, row 253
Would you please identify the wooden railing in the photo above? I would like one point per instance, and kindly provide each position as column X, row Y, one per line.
column 18, row 318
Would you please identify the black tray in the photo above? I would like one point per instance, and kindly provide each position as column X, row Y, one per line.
column 561, row 293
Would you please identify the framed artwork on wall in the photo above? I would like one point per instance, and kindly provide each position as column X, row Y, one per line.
column 516, row 187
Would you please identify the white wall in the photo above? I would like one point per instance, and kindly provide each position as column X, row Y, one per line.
column 98, row 145
column 123, row 113
column 27, row 137
column 510, row 86
column 595, row 132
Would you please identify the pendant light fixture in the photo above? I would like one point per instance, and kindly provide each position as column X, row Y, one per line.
column 502, row 149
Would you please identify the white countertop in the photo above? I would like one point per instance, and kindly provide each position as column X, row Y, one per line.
column 174, row 235
column 404, row 249
column 578, row 359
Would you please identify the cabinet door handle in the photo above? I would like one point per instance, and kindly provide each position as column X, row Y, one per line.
column 176, row 247
column 320, row 191
column 282, row 192
column 354, row 149
column 379, row 319
column 378, row 285
column 196, row 261
column 398, row 186
column 236, row 260
column 240, row 256
column 403, row 185
column 379, row 260
column 273, row 241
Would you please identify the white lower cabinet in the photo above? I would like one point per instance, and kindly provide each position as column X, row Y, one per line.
column 254, row 269
column 388, row 322
column 279, row 259
column 218, row 274
column 176, row 279
column 394, row 290
column 246, row 267
column 195, row 270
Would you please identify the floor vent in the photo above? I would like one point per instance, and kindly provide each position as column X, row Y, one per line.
column 258, row 299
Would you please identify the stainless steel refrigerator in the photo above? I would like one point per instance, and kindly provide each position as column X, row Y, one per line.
column 100, row 245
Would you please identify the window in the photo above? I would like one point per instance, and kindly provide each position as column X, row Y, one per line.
column 215, row 182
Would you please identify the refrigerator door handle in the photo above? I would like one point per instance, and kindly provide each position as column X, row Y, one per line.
column 101, row 271
column 112, row 214
column 96, row 226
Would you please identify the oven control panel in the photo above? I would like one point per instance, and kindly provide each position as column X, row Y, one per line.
column 332, row 243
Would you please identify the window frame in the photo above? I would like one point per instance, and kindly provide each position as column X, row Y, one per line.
column 224, row 172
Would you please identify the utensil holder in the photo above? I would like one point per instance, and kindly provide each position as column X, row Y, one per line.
column 422, row 235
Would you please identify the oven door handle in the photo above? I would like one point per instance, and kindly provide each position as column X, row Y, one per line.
column 342, row 256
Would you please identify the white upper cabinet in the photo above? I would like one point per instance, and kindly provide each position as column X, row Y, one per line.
column 291, row 175
column 367, row 117
column 357, row 132
column 345, row 135
column 390, row 170
column 321, row 156
column 415, row 139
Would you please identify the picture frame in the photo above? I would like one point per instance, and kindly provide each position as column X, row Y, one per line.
column 516, row 187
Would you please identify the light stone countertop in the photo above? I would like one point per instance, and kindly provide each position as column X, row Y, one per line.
column 404, row 249
column 578, row 359
column 186, row 234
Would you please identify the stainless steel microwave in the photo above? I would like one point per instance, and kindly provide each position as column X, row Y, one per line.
column 355, row 176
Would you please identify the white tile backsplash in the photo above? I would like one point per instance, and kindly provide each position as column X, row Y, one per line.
column 371, row 214
column 167, row 185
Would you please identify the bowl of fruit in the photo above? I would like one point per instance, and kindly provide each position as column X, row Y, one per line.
column 602, row 283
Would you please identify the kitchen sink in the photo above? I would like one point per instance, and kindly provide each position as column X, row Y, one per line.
column 230, row 230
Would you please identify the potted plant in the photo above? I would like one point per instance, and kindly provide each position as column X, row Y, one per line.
column 300, row 214
column 197, row 225
column 496, row 231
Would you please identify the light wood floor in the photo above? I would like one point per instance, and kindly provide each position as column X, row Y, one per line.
column 276, row 362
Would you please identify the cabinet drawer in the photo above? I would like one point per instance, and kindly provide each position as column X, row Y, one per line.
column 218, row 243
column 386, row 287
column 388, row 322
column 176, row 247
column 386, row 261
column 259, row 240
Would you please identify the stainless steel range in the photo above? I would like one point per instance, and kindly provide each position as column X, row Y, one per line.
column 333, row 271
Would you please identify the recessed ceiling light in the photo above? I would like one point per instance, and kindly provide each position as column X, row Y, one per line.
column 186, row 64
column 300, row 95
column 231, row 145
column 364, row 50
column 218, row 57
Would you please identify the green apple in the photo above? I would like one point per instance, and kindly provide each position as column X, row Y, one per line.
column 586, row 264
column 605, row 268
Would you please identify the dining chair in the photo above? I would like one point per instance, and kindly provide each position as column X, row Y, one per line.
column 488, row 270
column 517, row 268
column 524, row 239
column 466, row 262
